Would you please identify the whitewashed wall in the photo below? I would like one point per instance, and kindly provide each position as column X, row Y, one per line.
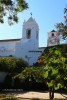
column 7, row 48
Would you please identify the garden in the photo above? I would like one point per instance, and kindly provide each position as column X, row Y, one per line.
column 48, row 74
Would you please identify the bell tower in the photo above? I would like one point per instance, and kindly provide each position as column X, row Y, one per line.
column 53, row 38
column 28, row 47
column 31, row 32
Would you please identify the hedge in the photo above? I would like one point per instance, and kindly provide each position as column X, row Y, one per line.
column 11, row 64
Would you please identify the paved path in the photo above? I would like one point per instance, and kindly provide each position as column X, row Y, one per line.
column 38, row 95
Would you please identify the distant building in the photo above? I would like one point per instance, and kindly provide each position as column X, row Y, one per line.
column 53, row 38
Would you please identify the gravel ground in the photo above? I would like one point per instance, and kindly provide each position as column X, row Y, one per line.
column 39, row 95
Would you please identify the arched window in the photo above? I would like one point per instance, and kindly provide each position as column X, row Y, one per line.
column 28, row 33
column 52, row 34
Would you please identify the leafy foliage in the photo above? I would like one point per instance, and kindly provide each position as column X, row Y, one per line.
column 52, row 68
column 10, row 64
column 11, row 8
column 56, row 72
column 62, row 27
column 35, row 73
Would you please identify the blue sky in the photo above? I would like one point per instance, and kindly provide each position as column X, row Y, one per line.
column 46, row 13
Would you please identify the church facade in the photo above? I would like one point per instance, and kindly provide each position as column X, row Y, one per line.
column 27, row 47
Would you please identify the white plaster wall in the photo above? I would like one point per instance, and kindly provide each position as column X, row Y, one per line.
column 34, row 27
column 23, row 51
column 7, row 48
column 34, row 55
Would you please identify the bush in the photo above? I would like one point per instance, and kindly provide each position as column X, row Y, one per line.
column 30, row 73
column 10, row 64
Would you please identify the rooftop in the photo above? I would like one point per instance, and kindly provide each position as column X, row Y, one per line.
column 9, row 40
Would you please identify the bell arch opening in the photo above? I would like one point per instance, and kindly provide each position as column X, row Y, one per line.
column 28, row 33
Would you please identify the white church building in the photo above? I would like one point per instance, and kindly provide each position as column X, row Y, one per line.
column 27, row 47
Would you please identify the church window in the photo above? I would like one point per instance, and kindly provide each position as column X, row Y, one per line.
column 28, row 33
column 52, row 34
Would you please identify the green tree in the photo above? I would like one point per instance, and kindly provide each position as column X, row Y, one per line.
column 52, row 69
column 31, row 72
column 62, row 27
column 56, row 68
column 11, row 8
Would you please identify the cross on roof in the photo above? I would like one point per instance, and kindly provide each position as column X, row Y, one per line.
column 31, row 14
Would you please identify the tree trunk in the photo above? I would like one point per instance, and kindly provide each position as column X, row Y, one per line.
column 51, row 93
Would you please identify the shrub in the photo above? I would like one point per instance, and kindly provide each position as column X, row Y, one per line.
column 30, row 73
column 10, row 64
column 31, row 78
